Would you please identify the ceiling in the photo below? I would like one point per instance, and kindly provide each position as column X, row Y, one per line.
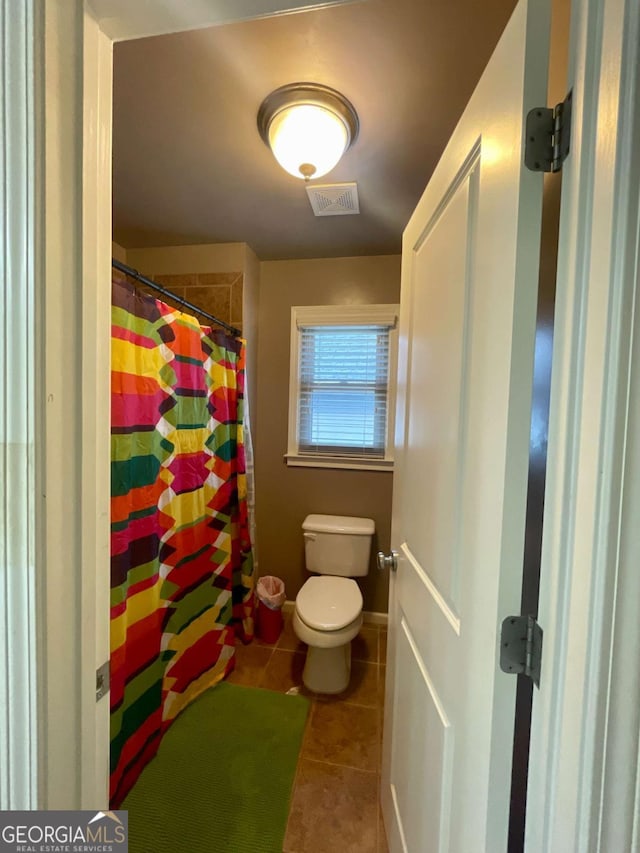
column 190, row 167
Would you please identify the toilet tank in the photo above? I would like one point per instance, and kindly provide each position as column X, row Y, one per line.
column 338, row 544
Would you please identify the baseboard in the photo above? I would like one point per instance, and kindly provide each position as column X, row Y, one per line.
column 369, row 616
column 374, row 618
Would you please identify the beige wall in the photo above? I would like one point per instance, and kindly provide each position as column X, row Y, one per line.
column 286, row 495
column 118, row 252
column 250, row 328
column 178, row 260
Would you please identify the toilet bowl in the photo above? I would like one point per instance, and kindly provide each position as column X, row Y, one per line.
column 328, row 615
column 328, row 608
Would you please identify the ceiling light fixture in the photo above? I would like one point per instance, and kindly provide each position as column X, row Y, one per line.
column 308, row 127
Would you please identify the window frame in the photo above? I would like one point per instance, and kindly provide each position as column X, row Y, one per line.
column 341, row 315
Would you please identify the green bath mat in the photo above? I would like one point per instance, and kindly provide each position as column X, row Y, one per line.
column 222, row 779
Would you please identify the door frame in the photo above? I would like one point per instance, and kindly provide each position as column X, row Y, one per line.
column 75, row 212
column 589, row 546
column 73, row 251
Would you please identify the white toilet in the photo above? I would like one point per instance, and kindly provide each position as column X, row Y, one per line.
column 328, row 612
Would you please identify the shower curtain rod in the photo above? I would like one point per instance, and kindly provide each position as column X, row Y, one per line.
column 167, row 293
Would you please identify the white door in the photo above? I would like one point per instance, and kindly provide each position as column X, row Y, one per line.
column 468, row 308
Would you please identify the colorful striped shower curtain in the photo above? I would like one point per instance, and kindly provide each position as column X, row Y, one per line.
column 181, row 558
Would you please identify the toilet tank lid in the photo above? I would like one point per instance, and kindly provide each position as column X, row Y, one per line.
column 339, row 524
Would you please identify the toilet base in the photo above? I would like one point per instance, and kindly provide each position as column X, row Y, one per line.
column 327, row 670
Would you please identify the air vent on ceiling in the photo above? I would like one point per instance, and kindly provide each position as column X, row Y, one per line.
column 333, row 199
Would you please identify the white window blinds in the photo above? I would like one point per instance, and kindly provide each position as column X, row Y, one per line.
column 343, row 398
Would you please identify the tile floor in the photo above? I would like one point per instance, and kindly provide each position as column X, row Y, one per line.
column 335, row 802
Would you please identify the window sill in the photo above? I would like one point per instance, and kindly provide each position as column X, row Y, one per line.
column 298, row 461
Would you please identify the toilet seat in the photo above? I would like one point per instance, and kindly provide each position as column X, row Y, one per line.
column 329, row 603
column 325, row 640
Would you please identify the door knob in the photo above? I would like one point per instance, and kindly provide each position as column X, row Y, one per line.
column 388, row 561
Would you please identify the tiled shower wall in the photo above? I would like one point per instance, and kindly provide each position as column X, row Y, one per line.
column 217, row 293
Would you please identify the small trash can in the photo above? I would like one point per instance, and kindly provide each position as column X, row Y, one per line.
column 271, row 597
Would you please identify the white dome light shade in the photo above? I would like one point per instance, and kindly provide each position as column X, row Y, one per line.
column 308, row 127
column 308, row 140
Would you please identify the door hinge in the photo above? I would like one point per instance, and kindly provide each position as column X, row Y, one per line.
column 548, row 137
column 521, row 647
column 102, row 680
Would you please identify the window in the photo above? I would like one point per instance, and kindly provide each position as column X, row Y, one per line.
column 341, row 395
